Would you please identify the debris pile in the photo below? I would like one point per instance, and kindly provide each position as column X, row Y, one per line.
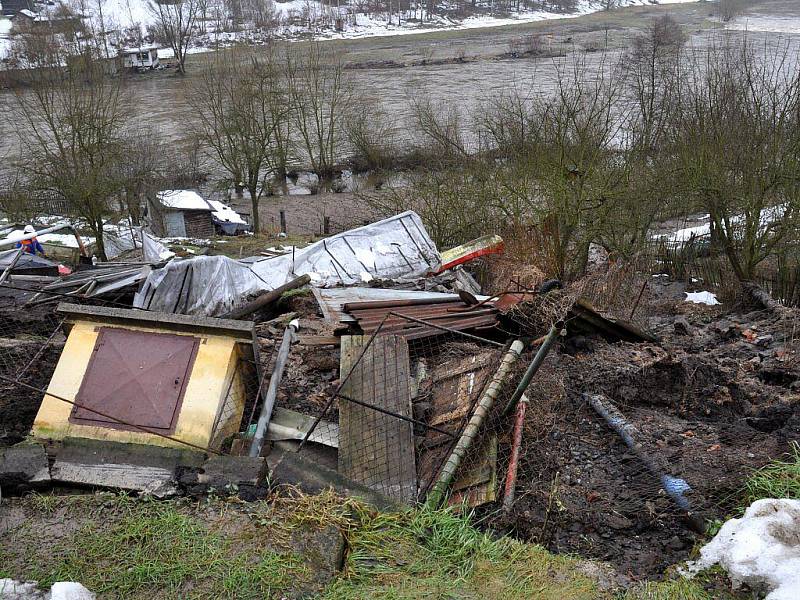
column 371, row 362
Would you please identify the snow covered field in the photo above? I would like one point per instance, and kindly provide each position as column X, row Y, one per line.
column 318, row 19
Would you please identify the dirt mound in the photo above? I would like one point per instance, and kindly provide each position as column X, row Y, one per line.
column 715, row 400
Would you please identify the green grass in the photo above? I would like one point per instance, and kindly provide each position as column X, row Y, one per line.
column 156, row 550
column 122, row 547
column 779, row 479
column 674, row 589
column 439, row 554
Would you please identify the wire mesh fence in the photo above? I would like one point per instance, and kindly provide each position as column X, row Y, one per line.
column 400, row 405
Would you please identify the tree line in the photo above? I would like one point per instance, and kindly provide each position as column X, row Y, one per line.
column 663, row 132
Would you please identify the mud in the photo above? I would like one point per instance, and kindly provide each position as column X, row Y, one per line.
column 717, row 398
column 27, row 353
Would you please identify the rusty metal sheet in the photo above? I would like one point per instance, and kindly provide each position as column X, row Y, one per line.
column 137, row 377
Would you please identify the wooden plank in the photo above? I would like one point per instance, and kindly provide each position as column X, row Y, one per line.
column 478, row 485
column 319, row 340
column 377, row 449
column 455, row 384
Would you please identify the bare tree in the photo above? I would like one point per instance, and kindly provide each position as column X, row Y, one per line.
column 320, row 94
column 175, row 24
column 72, row 138
column 240, row 112
column 730, row 9
column 734, row 149
column 651, row 68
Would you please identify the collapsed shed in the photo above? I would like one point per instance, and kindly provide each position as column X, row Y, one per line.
column 147, row 378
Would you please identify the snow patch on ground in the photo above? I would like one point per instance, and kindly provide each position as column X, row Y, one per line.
column 708, row 298
column 11, row 589
column 766, row 24
column 762, row 549
column 5, row 37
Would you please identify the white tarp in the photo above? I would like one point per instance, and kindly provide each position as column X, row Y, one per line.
column 154, row 251
column 395, row 248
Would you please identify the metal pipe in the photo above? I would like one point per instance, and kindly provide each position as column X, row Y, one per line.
column 473, row 427
column 673, row 486
column 28, row 236
column 537, row 361
column 11, row 265
column 272, row 391
column 513, row 462
column 442, row 328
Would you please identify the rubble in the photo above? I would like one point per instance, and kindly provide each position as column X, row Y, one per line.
column 391, row 391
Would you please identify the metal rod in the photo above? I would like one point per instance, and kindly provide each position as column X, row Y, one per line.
column 11, row 265
column 536, row 363
column 272, row 391
column 396, row 415
column 482, row 409
column 513, row 462
column 28, row 236
column 339, row 388
column 41, row 350
column 638, row 299
column 673, row 486
column 107, row 416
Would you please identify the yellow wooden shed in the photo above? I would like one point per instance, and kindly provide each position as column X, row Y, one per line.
column 148, row 378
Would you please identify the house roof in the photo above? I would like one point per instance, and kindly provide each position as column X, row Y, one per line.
column 242, row 331
column 225, row 213
column 12, row 7
column 139, row 49
column 183, row 200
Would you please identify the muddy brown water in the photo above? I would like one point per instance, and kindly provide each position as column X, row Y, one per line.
column 161, row 101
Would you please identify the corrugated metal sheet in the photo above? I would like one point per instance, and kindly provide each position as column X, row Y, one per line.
column 456, row 315
column 332, row 300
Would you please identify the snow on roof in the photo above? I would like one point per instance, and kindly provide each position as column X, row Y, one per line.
column 139, row 49
column 223, row 212
column 28, row 13
column 182, row 200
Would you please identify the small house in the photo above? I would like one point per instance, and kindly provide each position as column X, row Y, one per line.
column 144, row 57
column 139, row 377
column 180, row 213
column 9, row 8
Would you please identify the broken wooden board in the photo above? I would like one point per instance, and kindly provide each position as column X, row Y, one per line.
column 453, row 387
column 377, row 449
column 477, row 483
column 147, row 469
column 287, row 424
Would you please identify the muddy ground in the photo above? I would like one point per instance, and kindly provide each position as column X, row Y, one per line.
column 714, row 399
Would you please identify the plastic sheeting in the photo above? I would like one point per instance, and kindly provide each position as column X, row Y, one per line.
column 154, row 251
column 395, row 248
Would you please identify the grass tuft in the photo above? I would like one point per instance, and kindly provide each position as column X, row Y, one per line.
column 427, row 553
column 779, row 479
column 156, row 550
